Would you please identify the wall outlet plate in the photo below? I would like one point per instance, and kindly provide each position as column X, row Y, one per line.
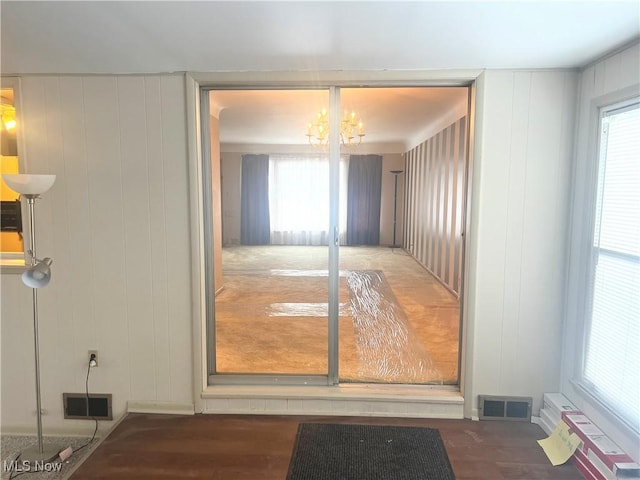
column 94, row 352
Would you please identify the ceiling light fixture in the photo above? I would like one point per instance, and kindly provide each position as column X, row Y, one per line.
column 351, row 130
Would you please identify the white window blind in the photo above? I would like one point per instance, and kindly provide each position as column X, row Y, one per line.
column 612, row 360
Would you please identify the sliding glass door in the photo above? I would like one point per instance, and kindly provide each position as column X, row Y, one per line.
column 269, row 322
column 335, row 241
column 401, row 254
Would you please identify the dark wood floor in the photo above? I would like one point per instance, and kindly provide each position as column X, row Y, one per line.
column 255, row 447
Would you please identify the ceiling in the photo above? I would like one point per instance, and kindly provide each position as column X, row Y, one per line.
column 394, row 119
column 206, row 36
column 94, row 37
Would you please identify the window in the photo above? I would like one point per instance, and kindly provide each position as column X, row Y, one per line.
column 612, row 355
column 299, row 199
column 11, row 242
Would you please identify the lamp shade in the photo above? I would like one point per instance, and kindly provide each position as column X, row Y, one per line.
column 28, row 184
column 38, row 275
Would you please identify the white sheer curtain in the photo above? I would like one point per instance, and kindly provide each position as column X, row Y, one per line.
column 299, row 199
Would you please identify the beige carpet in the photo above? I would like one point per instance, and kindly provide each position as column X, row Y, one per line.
column 397, row 323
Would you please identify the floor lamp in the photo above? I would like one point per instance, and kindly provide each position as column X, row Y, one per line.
column 37, row 275
column 395, row 206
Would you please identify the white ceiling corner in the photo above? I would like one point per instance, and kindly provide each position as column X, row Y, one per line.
column 113, row 37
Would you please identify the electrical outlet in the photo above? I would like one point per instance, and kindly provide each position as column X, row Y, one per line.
column 93, row 355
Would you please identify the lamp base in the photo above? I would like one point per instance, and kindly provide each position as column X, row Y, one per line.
column 395, row 246
column 36, row 458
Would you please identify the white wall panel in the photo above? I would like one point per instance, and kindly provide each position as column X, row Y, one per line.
column 491, row 228
column 515, row 208
column 107, row 267
column 136, row 221
column 75, row 246
column 17, row 351
column 177, row 233
column 521, row 186
column 116, row 225
column 158, row 247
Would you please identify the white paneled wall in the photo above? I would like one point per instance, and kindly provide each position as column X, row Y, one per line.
column 520, row 207
column 116, row 224
column 435, row 172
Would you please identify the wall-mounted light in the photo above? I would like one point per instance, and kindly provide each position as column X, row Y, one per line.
column 9, row 124
column 8, row 117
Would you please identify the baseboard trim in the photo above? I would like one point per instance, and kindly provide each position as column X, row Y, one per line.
column 334, row 413
column 361, row 400
column 368, row 392
column 170, row 408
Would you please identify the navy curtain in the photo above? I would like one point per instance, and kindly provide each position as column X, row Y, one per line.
column 363, row 199
column 254, row 219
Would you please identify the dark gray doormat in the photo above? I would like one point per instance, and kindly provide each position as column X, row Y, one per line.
column 367, row 452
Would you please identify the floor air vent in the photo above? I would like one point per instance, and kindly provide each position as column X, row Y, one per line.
column 496, row 407
column 98, row 406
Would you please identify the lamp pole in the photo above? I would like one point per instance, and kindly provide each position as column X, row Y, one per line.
column 36, row 275
column 39, row 453
column 395, row 205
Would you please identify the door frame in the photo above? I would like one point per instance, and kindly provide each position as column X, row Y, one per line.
column 194, row 82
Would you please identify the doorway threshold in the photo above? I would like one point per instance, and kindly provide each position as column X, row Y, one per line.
column 417, row 401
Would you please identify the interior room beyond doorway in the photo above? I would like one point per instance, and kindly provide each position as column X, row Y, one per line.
column 402, row 192
column 279, row 327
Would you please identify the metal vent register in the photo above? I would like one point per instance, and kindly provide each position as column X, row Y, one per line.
column 76, row 405
column 496, row 407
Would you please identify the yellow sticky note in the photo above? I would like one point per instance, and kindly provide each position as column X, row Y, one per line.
column 560, row 445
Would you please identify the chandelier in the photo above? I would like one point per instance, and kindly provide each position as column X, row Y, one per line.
column 351, row 130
